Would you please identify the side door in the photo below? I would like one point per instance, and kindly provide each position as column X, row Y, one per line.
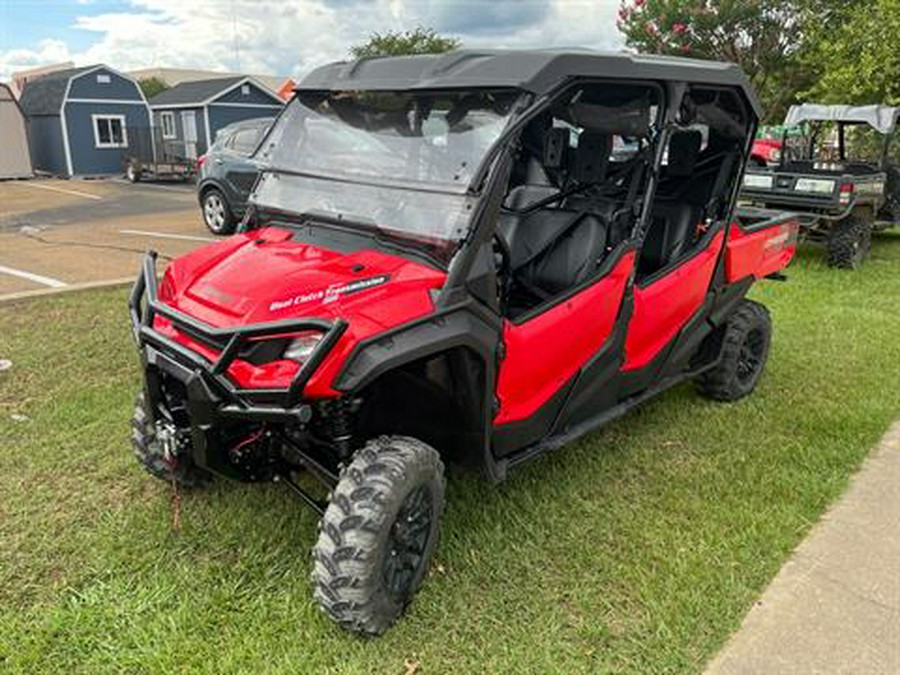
column 189, row 125
column 239, row 169
column 665, row 302
column 684, row 236
column 546, row 350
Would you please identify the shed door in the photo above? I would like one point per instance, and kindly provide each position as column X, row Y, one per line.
column 189, row 124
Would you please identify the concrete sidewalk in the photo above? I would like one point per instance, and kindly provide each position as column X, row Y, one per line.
column 835, row 605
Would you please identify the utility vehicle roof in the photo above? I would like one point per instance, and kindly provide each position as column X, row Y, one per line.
column 882, row 118
column 537, row 71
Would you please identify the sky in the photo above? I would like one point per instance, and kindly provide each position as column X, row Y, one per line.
column 277, row 37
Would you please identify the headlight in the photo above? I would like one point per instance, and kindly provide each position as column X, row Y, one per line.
column 301, row 347
column 816, row 185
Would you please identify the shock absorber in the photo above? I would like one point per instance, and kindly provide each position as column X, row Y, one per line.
column 338, row 423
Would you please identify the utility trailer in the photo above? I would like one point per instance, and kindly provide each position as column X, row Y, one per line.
column 152, row 156
column 843, row 181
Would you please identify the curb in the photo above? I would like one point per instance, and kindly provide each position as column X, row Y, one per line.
column 24, row 296
column 834, row 606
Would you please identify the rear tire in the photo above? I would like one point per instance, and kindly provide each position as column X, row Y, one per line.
column 378, row 533
column 849, row 243
column 217, row 213
column 149, row 452
column 745, row 349
column 133, row 172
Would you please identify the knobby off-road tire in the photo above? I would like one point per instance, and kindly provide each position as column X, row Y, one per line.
column 849, row 243
column 378, row 533
column 745, row 349
column 149, row 452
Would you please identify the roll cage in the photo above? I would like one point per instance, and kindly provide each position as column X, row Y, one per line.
column 673, row 114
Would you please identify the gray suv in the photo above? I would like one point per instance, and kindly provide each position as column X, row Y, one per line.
column 227, row 173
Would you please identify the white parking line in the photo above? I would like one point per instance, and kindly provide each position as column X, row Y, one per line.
column 86, row 195
column 36, row 278
column 163, row 235
column 187, row 190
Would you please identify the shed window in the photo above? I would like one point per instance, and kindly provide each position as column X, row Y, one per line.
column 102, row 78
column 167, row 122
column 109, row 131
column 245, row 89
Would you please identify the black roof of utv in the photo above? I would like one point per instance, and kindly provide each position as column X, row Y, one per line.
column 537, row 71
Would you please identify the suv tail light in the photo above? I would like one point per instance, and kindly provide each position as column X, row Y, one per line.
column 201, row 160
column 846, row 193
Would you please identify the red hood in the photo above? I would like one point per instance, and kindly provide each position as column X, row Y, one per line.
column 264, row 276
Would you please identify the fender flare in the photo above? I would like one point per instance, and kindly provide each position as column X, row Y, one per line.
column 207, row 183
column 465, row 325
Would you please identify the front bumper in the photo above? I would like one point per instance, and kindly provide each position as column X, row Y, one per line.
column 210, row 396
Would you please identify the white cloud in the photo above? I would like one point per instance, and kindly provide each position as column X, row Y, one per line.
column 46, row 51
column 292, row 36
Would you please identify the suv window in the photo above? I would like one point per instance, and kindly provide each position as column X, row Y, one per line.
column 244, row 141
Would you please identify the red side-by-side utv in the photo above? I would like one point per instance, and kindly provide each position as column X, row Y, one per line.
column 470, row 258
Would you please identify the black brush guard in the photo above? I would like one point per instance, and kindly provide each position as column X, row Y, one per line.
column 144, row 306
column 211, row 396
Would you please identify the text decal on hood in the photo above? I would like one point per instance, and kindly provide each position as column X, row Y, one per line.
column 331, row 293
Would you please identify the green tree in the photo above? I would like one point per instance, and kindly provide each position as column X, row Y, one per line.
column 151, row 86
column 398, row 43
column 859, row 57
column 767, row 38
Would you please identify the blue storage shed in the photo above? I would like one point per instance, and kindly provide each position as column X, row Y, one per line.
column 85, row 121
column 188, row 115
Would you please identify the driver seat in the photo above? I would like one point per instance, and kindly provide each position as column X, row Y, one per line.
column 550, row 249
column 554, row 248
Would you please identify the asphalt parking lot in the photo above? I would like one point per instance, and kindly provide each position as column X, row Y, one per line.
column 57, row 234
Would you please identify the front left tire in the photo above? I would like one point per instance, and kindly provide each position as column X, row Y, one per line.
column 378, row 533
column 149, row 452
column 217, row 213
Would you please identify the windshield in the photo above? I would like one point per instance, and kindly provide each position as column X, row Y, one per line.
column 399, row 161
column 820, row 142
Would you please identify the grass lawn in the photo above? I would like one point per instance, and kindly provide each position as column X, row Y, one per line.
column 637, row 549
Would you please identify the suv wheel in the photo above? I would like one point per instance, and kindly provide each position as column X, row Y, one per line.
column 378, row 533
column 149, row 451
column 744, row 351
column 849, row 243
column 216, row 212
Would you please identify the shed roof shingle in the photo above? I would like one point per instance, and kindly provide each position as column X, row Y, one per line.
column 196, row 92
column 44, row 95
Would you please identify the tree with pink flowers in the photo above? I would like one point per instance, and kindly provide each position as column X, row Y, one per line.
column 767, row 38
